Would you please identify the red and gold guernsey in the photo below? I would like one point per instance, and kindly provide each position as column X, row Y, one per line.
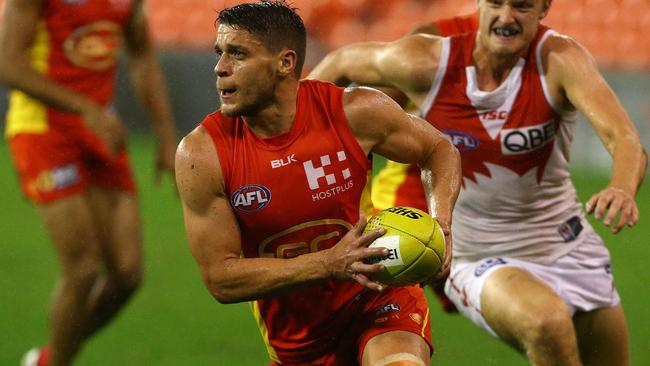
column 76, row 44
column 517, row 199
column 292, row 194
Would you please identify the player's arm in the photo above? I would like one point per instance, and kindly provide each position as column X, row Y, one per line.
column 382, row 127
column 394, row 93
column 214, row 237
column 585, row 89
column 426, row 28
column 150, row 87
column 408, row 64
column 16, row 36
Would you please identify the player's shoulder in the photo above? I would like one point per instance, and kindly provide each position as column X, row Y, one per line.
column 419, row 45
column 414, row 61
column 199, row 145
column 195, row 145
column 369, row 111
column 197, row 161
column 364, row 100
column 560, row 48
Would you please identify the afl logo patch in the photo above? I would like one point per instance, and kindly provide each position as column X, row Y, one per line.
column 463, row 141
column 250, row 198
column 487, row 264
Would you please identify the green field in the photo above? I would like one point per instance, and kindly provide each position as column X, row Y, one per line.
column 173, row 320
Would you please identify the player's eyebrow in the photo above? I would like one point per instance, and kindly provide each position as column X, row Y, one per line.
column 230, row 48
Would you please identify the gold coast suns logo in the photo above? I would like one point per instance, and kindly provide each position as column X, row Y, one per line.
column 94, row 46
column 304, row 238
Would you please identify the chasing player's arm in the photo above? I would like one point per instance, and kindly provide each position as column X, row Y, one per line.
column 382, row 127
column 394, row 93
column 16, row 70
column 149, row 85
column 215, row 241
column 573, row 72
column 408, row 64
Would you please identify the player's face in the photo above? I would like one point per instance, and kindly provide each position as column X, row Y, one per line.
column 507, row 27
column 245, row 72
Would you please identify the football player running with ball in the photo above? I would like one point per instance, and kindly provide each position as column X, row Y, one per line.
column 527, row 266
column 271, row 186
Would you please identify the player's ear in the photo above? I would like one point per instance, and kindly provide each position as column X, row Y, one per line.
column 287, row 62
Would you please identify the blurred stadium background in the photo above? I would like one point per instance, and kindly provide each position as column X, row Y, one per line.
column 173, row 320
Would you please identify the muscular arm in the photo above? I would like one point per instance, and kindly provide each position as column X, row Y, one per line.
column 383, row 128
column 150, row 86
column 214, row 237
column 408, row 64
column 573, row 72
column 394, row 93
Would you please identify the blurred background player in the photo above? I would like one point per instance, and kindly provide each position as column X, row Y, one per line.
column 69, row 151
column 527, row 266
column 269, row 214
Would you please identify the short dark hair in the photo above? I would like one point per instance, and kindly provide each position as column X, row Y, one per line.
column 275, row 22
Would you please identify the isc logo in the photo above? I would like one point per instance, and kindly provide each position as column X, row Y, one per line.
column 250, row 198
column 494, row 115
column 522, row 140
column 463, row 141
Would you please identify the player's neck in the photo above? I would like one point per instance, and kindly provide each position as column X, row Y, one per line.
column 492, row 69
column 278, row 117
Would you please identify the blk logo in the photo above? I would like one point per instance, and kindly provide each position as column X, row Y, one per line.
column 250, row 198
column 314, row 174
column 279, row 163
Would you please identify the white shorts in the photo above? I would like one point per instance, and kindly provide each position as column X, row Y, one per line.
column 582, row 278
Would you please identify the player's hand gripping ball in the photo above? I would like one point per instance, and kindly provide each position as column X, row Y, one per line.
column 415, row 243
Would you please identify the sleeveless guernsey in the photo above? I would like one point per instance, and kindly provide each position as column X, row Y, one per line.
column 517, row 199
column 292, row 194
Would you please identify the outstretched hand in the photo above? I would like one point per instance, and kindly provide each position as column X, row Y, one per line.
column 345, row 260
column 611, row 202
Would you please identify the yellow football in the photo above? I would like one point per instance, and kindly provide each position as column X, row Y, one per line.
column 415, row 243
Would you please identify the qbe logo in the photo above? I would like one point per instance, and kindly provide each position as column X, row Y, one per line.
column 250, row 198
column 525, row 139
